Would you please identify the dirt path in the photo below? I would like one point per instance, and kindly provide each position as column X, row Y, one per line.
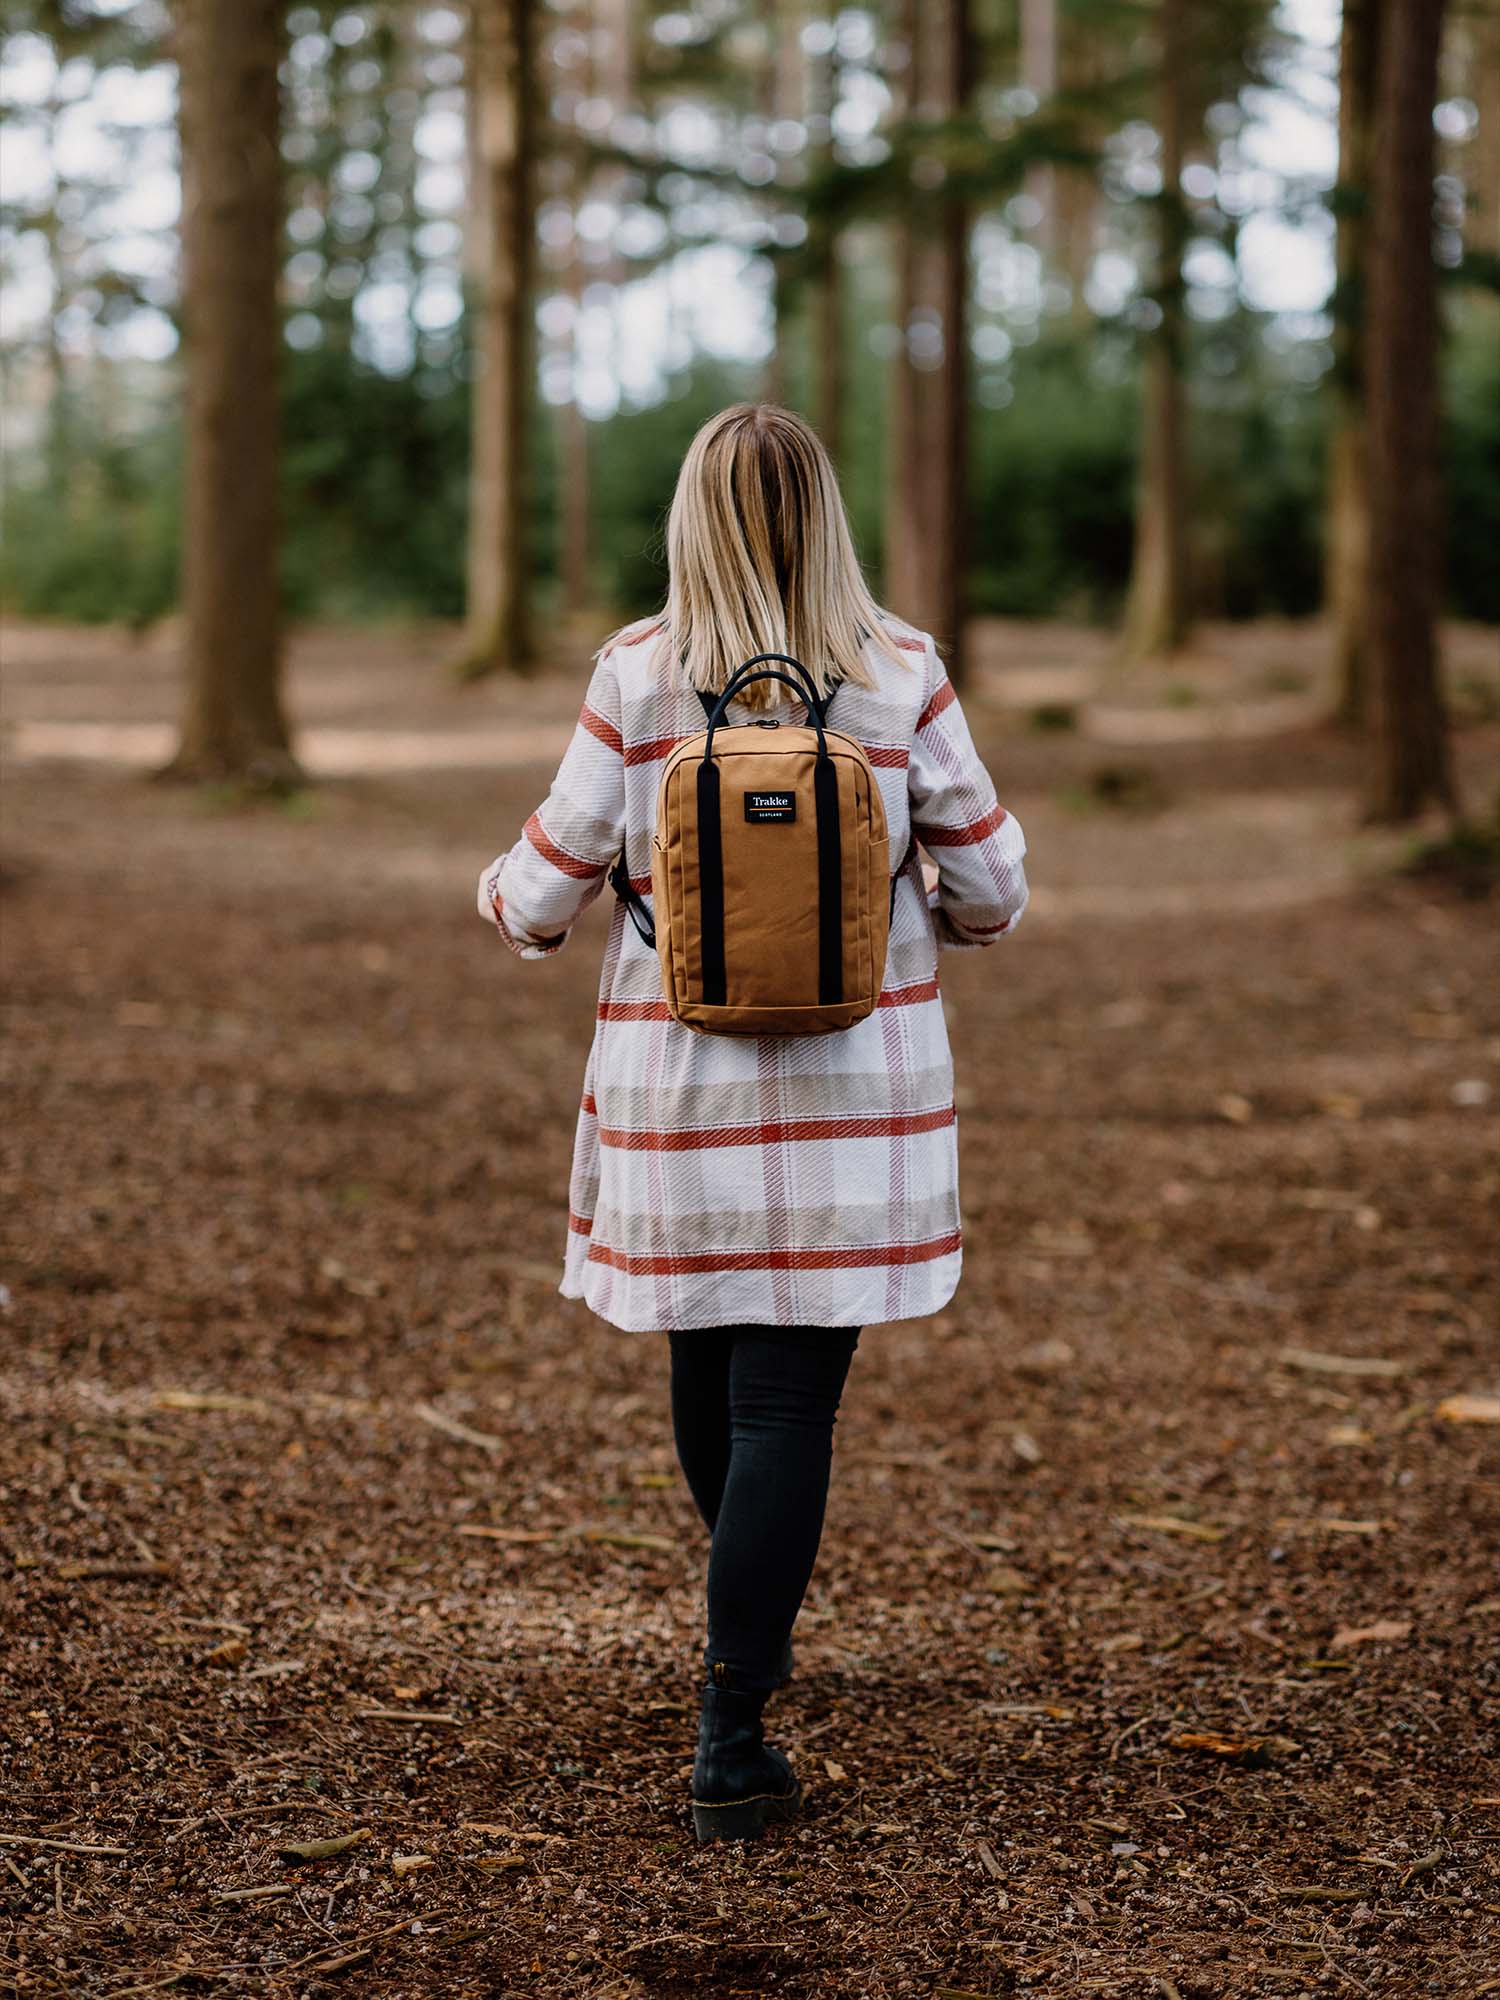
column 325, row 1516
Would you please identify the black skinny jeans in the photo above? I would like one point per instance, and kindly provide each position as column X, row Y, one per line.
column 753, row 1409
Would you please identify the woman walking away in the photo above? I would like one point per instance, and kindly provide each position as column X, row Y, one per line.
column 762, row 1197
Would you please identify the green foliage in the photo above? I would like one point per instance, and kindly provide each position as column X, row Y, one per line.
column 1053, row 485
column 90, row 531
column 376, row 469
column 375, row 477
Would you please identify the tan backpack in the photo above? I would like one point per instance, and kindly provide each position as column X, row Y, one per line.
column 769, row 872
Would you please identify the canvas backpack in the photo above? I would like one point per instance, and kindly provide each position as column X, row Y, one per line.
column 770, row 872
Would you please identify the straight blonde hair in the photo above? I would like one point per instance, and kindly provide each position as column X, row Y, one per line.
column 760, row 559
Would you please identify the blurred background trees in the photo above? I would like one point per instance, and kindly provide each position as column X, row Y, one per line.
column 1046, row 273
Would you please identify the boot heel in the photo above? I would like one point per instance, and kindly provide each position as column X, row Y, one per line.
column 745, row 1819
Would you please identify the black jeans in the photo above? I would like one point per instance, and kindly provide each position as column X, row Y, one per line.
column 753, row 1409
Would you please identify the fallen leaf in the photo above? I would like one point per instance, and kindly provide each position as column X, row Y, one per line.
column 1347, row 1434
column 495, row 1862
column 1469, row 1410
column 1026, row 1448
column 228, row 1653
column 1238, row 1110
column 325, row 1848
column 1251, row 1751
column 1045, row 1357
column 1362, row 1635
column 411, row 1864
column 1007, row 1582
column 835, row 1770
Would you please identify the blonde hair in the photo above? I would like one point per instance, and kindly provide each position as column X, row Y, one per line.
column 760, row 559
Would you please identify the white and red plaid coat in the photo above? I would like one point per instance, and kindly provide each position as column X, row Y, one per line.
column 793, row 1180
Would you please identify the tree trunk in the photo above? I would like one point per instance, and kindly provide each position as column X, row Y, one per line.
column 827, row 320
column 781, row 95
column 1346, row 564
column 927, row 481
column 233, row 725
column 1157, row 613
column 498, row 632
column 1409, row 763
column 1038, row 52
column 574, row 456
column 899, row 530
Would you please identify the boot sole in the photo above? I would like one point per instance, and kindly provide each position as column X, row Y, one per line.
column 745, row 1819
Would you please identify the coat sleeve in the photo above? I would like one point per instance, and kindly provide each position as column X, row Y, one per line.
column 977, row 845
column 536, row 892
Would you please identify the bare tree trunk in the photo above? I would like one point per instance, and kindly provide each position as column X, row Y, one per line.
column 903, row 500
column 233, row 725
column 927, row 484
column 1346, row 567
column 1409, row 762
column 498, row 633
column 1039, row 42
column 782, row 83
column 574, row 500
column 1075, row 190
column 1157, row 614
column 827, row 327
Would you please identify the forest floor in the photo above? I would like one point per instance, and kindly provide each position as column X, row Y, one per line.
column 1154, row 1649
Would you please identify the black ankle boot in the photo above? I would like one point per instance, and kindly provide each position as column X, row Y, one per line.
column 740, row 1784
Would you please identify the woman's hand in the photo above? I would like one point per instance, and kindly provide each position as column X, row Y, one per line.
column 930, row 877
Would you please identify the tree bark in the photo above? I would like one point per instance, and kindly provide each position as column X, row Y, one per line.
column 1157, row 613
column 498, row 631
column 1346, row 563
column 827, row 320
column 1409, row 764
column 233, row 725
column 1038, row 53
column 574, row 455
column 902, row 508
column 782, row 96
column 927, row 513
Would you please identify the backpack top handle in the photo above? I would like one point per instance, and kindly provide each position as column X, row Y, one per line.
column 753, row 671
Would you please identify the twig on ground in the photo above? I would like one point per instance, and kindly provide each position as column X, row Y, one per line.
column 68, row 1846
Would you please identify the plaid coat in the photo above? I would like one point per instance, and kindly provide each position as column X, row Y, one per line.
column 801, row 1180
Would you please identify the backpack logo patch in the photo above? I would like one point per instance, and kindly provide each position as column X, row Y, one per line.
column 772, row 806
